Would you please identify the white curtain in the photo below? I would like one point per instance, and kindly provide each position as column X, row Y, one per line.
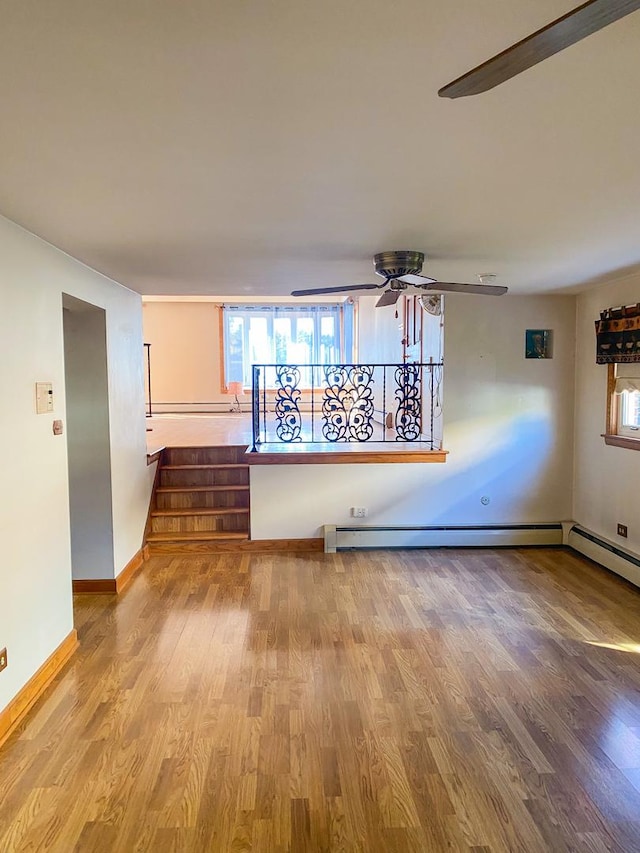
column 627, row 378
column 627, row 383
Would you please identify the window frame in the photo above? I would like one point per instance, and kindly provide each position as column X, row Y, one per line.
column 613, row 436
column 341, row 332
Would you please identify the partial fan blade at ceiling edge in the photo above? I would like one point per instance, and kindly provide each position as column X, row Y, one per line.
column 346, row 289
column 455, row 287
column 551, row 39
column 424, row 283
column 418, row 280
column 389, row 297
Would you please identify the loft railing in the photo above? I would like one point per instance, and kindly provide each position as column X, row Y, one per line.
column 341, row 403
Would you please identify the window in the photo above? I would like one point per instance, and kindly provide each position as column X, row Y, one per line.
column 628, row 390
column 285, row 334
column 623, row 416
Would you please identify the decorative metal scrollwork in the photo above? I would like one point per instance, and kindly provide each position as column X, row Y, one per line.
column 335, row 403
column 347, row 404
column 408, row 417
column 362, row 406
column 288, row 417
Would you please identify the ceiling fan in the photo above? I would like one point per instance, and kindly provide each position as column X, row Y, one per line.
column 401, row 270
column 556, row 36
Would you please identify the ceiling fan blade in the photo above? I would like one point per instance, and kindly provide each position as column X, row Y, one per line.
column 389, row 297
column 454, row 287
column 411, row 278
column 556, row 36
column 345, row 289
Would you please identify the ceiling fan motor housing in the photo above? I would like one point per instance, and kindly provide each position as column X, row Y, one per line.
column 396, row 264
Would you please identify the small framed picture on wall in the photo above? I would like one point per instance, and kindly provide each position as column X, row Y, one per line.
column 538, row 343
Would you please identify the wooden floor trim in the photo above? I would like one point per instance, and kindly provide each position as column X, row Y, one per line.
column 155, row 456
column 95, row 586
column 291, row 456
column 112, row 586
column 35, row 687
column 130, row 570
column 255, row 546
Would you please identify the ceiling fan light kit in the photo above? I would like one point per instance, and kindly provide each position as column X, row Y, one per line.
column 556, row 36
column 401, row 270
column 393, row 265
column 432, row 303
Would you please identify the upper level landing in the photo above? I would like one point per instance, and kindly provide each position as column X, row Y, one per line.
column 233, row 429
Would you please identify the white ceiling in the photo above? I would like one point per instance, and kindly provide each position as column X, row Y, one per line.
column 255, row 146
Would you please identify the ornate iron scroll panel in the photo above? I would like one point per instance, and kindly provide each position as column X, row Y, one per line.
column 408, row 393
column 351, row 396
column 288, row 396
column 347, row 403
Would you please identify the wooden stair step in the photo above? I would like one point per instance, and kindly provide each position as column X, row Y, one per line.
column 188, row 536
column 205, row 510
column 203, row 467
column 234, row 487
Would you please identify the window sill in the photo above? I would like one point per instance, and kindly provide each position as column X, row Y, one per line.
column 621, row 441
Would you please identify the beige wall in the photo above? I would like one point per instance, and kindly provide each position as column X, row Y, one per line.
column 186, row 368
column 606, row 478
column 185, row 355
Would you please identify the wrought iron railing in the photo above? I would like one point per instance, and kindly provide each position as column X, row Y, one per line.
column 338, row 403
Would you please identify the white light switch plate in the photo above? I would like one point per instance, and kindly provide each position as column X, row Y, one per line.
column 44, row 397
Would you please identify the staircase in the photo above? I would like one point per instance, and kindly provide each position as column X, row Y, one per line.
column 201, row 503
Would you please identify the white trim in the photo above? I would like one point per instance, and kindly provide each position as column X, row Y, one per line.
column 606, row 553
column 449, row 536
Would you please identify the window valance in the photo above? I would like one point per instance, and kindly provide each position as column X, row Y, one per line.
column 627, row 384
column 618, row 335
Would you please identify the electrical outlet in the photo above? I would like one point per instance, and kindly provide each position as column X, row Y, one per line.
column 3, row 659
column 622, row 530
column 359, row 512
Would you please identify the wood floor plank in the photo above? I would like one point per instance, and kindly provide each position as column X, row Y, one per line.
column 428, row 701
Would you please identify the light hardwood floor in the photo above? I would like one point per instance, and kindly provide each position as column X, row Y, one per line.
column 442, row 700
column 198, row 430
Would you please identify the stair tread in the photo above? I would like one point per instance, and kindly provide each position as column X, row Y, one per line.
column 194, row 536
column 232, row 487
column 202, row 510
column 206, row 465
column 189, row 448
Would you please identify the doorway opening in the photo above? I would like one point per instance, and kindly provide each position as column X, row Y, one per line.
column 88, row 443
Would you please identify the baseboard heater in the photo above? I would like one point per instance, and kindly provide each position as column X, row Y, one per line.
column 616, row 559
column 441, row 536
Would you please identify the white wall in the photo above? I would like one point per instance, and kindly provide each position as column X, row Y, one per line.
column 606, row 478
column 381, row 342
column 35, row 573
column 508, row 429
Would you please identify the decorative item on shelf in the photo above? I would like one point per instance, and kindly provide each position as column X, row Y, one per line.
column 538, row 343
column 235, row 388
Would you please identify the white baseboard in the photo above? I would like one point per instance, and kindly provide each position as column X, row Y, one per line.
column 442, row 536
column 619, row 560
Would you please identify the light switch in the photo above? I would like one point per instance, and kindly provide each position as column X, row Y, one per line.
column 44, row 397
